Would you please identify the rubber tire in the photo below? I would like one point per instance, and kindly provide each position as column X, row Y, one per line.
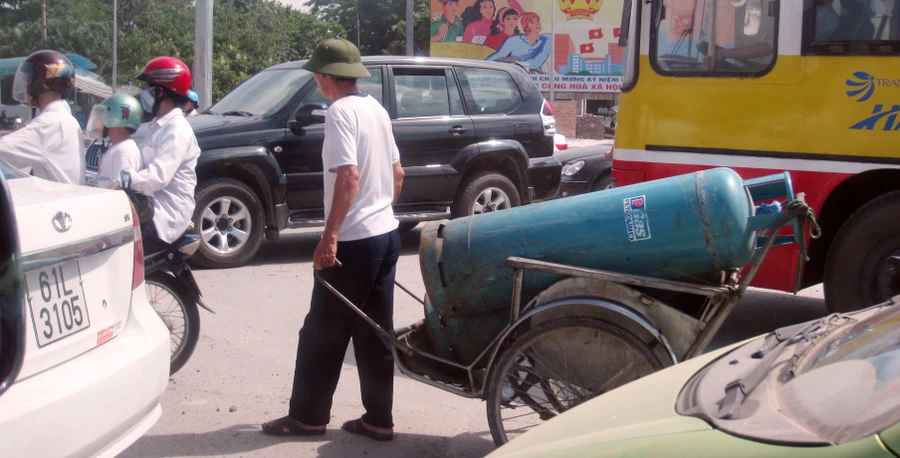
column 191, row 316
column 473, row 185
column 871, row 231
column 406, row 227
column 498, row 369
column 213, row 189
column 602, row 182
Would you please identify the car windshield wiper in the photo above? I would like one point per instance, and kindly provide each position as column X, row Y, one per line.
column 738, row 390
column 238, row 113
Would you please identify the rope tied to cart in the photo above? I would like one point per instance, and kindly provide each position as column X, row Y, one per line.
column 808, row 224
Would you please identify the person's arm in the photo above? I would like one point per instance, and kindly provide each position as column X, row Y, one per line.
column 537, row 61
column 22, row 148
column 438, row 33
column 169, row 155
column 398, row 181
column 516, row 6
column 469, row 33
column 346, row 185
column 505, row 50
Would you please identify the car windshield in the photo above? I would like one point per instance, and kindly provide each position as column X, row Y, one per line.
column 10, row 172
column 264, row 94
column 849, row 387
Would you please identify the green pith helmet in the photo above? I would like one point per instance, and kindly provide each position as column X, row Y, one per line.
column 122, row 110
column 337, row 57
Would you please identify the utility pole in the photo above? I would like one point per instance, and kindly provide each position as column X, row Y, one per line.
column 44, row 23
column 115, row 54
column 357, row 24
column 409, row 28
column 203, row 41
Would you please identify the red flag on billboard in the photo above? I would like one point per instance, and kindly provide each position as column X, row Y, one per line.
column 595, row 34
column 587, row 48
column 616, row 32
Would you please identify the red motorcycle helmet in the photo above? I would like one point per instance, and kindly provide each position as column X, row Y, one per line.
column 168, row 72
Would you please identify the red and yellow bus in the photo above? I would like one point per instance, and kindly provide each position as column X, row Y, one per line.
column 763, row 86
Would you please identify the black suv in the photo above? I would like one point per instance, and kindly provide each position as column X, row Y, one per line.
column 473, row 136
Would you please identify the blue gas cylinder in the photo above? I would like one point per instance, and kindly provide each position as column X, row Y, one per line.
column 683, row 227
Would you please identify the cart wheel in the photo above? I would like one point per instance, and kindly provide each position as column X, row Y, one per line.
column 556, row 366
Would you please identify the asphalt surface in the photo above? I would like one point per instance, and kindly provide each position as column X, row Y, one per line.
column 241, row 373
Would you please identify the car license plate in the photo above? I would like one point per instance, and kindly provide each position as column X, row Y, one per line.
column 56, row 299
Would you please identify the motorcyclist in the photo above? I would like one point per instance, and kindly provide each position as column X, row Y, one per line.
column 169, row 153
column 117, row 118
column 190, row 108
column 51, row 143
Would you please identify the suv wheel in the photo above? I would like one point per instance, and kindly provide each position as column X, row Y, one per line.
column 485, row 192
column 229, row 219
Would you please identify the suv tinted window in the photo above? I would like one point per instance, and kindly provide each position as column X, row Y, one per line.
column 489, row 91
column 421, row 92
column 371, row 85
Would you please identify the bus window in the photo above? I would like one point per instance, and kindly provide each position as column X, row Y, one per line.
column 743, row 33
column 852, row 27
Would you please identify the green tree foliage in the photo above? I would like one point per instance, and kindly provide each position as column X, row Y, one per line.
column 382, row 23
column 249, row 35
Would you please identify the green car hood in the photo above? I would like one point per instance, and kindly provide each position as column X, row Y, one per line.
column 641, row 409
column 639, row 420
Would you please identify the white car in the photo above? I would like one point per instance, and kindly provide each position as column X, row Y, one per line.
column 84, row 358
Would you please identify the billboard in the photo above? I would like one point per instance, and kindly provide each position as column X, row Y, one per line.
column 571, row 44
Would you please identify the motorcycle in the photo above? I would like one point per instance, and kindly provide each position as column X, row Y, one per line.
column 171, row 287
column 174, row 294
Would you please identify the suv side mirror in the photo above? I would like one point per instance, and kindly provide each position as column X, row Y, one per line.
column 310, row 113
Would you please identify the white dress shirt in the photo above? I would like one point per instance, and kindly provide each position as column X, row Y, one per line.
column 169, row 154
column 123, row 156
column 51, row 144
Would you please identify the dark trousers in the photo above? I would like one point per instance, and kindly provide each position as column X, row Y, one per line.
column 367, row 280
column 151, row 241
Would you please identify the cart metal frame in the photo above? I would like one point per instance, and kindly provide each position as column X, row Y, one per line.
column 720, row 301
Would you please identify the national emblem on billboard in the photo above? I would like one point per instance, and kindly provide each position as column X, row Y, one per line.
column 580, row 9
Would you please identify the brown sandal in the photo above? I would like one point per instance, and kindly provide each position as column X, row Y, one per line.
column 287, row 426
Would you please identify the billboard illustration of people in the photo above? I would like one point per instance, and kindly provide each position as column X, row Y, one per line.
column 575, row 46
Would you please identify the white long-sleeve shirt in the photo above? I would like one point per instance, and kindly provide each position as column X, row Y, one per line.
column 123, row 156
column 51, row 144
column 169, row 154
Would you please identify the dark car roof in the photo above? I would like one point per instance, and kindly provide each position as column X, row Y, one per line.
column 582, row 152
column 401, row 60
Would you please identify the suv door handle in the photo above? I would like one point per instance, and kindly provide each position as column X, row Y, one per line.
column 458, row 130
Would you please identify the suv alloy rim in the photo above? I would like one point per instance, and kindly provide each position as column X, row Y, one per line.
column 491, row 200
column 225, row 225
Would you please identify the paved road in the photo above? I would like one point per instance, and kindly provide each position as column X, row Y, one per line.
column 241, row 372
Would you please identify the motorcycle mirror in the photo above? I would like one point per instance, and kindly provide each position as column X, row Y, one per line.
column 125, row 179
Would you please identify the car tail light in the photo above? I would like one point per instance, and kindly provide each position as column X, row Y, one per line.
column 138, row 276
column 547, row 110
column 561, row 146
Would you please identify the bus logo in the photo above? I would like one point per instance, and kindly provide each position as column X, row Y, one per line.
column 861, row 84
column 637, row 222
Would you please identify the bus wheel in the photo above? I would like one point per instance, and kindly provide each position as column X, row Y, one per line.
column 863, row 263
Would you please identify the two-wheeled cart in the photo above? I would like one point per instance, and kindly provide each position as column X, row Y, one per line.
column 567, row 333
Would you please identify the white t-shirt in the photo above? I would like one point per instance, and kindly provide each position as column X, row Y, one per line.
column 51, row 144
column 358, row 132
column 124, row 155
